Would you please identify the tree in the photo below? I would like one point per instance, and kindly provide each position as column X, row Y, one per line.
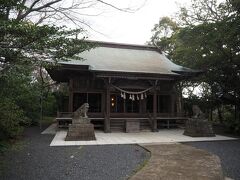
column 24, row 46
column 208, row 38
column 28, row 41
column 19, row 100
column 27, row 35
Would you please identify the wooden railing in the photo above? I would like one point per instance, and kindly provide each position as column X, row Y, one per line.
column 167, row 120
column 65, row 118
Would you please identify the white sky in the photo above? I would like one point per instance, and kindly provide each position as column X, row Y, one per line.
column 133, row 28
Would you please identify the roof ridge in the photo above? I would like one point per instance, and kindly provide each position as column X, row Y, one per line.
column 124, row 45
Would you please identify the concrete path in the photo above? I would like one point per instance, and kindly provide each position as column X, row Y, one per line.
column 52, row 129
column 179, row 162
column 163, row 136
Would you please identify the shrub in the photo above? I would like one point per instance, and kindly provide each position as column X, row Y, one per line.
column 50, row 105
column 12, row 119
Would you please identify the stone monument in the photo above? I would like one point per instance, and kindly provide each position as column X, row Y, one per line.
column 198, row 125
column 81, row 128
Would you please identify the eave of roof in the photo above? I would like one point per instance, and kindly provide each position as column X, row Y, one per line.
column 115, row 58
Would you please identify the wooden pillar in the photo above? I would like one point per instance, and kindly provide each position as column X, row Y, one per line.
column 179, row 104
column 70, row 102
column 154, row 122
column 172, row 104
column 141, row 106
column 107, row 109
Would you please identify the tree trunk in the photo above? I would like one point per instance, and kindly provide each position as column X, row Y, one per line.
column 220, row 118
column 211, row 114
column 237, row 114
column 41, row 111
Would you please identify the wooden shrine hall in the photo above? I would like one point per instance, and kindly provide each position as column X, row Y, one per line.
column 128, row 87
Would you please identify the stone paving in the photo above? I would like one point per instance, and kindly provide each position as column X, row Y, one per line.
column 178, row 161
column 163, row 136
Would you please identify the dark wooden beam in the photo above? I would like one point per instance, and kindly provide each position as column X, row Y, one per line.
column 173, row 99
column 107, row 107
column 70, row 105
column 135, row 76
column 154, row 120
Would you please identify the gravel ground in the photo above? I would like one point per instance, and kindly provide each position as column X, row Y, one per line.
column 228, row 152
column 35, row 159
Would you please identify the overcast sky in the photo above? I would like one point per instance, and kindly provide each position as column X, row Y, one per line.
column 133, row 28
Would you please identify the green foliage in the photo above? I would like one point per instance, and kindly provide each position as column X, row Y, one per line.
column 206, row 36
column 12, row 118
column 17, row 85
column 50, row 105
column 163, row 34
column 229, row 119
column 19, row 101
column 47, row 120
column 3, row 148
column 25, row 48
column 24, row 42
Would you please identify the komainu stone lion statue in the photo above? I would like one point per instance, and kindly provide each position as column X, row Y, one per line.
column 197, row 113
column 198, row 125
column 80, row 115
column 81, row 111
column 81, row 128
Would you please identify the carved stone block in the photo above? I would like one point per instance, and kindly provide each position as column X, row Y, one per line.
column 81, row 129
column 198, row 128
column 132, row 125
column 81, row 132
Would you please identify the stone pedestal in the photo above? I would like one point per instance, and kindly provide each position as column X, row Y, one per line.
column 81, row 132
column 198, row 128
column 132, row 126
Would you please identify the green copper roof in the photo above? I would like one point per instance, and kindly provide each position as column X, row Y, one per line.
column 127, row 58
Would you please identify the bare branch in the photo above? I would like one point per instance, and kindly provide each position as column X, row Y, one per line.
column 31, row 9
column 115, row 7
column 33, row 4
column 75, row 20
column 45, row 16
column 20, row 11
